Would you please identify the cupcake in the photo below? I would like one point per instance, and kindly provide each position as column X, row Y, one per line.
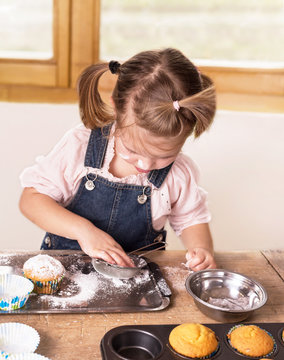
column 251, row 340
column 45, row 272
column 194, row 340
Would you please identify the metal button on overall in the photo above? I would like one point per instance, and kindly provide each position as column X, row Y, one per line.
column 144, row 196
column 120, row 209
column 47, row 241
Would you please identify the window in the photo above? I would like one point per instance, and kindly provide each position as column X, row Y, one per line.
column 222, row 32
column 237, row 43
column 37, row 51
column 48, row 72
column 21, row 22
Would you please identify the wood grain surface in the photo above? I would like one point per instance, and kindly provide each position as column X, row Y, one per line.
column 78, row 336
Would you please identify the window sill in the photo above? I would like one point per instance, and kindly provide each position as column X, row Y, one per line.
column 225, row 101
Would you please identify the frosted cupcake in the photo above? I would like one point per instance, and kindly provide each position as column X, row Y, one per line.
column 45, row 272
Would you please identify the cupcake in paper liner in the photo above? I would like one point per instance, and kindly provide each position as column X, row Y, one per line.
column 251, row 341
column 193, row 341
column 45, row 272
column 27, row 356
column 14, row 291
column 17, row 338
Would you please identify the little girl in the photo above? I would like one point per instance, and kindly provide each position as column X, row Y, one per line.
column 109, row 185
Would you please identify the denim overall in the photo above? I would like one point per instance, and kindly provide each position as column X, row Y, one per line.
column 121, row 210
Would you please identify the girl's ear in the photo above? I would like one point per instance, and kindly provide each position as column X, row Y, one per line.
column 112, row 104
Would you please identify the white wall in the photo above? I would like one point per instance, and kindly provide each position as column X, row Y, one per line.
column 27, row 130
column 241, row 160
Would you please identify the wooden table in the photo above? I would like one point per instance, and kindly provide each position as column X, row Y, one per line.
column 76, row 336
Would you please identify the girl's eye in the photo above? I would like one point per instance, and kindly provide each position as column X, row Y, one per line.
column 130, row 151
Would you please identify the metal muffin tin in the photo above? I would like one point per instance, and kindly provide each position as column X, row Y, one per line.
column 152, row 294
column 145, row 342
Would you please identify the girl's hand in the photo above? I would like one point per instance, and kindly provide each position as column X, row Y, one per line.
column 200, row 259
column 98, row 244
column 54, row 218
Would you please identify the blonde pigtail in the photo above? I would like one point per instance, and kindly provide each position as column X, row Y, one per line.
column 160, row 91
column 202, row 106
column 94, row 111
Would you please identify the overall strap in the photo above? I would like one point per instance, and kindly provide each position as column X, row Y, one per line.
column 96, row 150
column 156, row 177
column 97, row 146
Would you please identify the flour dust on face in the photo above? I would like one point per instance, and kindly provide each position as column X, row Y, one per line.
column 123, row 156
column 141, row 164
column 145, row 151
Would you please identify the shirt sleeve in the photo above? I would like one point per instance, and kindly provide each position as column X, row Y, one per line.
column 188, row 200
column 57, row 174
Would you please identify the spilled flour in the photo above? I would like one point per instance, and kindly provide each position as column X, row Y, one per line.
column 81, row 288
column 176, row 276
column 84, row 288
column 5, row 259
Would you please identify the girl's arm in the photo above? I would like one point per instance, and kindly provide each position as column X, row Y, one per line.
column 198, row 241
column 52, row 217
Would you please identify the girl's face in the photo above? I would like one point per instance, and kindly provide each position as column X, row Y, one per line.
column 146, row 152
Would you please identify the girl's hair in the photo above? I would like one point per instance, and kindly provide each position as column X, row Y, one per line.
column 148, row 85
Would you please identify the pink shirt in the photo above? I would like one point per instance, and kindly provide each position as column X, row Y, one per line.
column 58, row 175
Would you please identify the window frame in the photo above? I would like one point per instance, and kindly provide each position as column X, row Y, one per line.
column 248, row 89
column 76, row 45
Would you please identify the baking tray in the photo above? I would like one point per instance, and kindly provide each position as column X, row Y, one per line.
column 83, row 290
column 144, row 342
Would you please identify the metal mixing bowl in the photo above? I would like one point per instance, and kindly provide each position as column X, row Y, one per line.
column 224, row 295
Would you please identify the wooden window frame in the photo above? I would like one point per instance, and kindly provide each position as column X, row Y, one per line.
column 248, row 89
column 76, row 45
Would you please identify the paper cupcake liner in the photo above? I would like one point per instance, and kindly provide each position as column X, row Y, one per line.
column 208, row 357
column 18, row 338
column 14, row 291
column 47, row 287
column 5, row 269
column 281, row 336
column 27, row 356
column 3, row 355
column 248, row 356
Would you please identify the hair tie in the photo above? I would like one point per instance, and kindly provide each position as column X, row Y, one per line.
column 176, row 105
column 113, row 66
